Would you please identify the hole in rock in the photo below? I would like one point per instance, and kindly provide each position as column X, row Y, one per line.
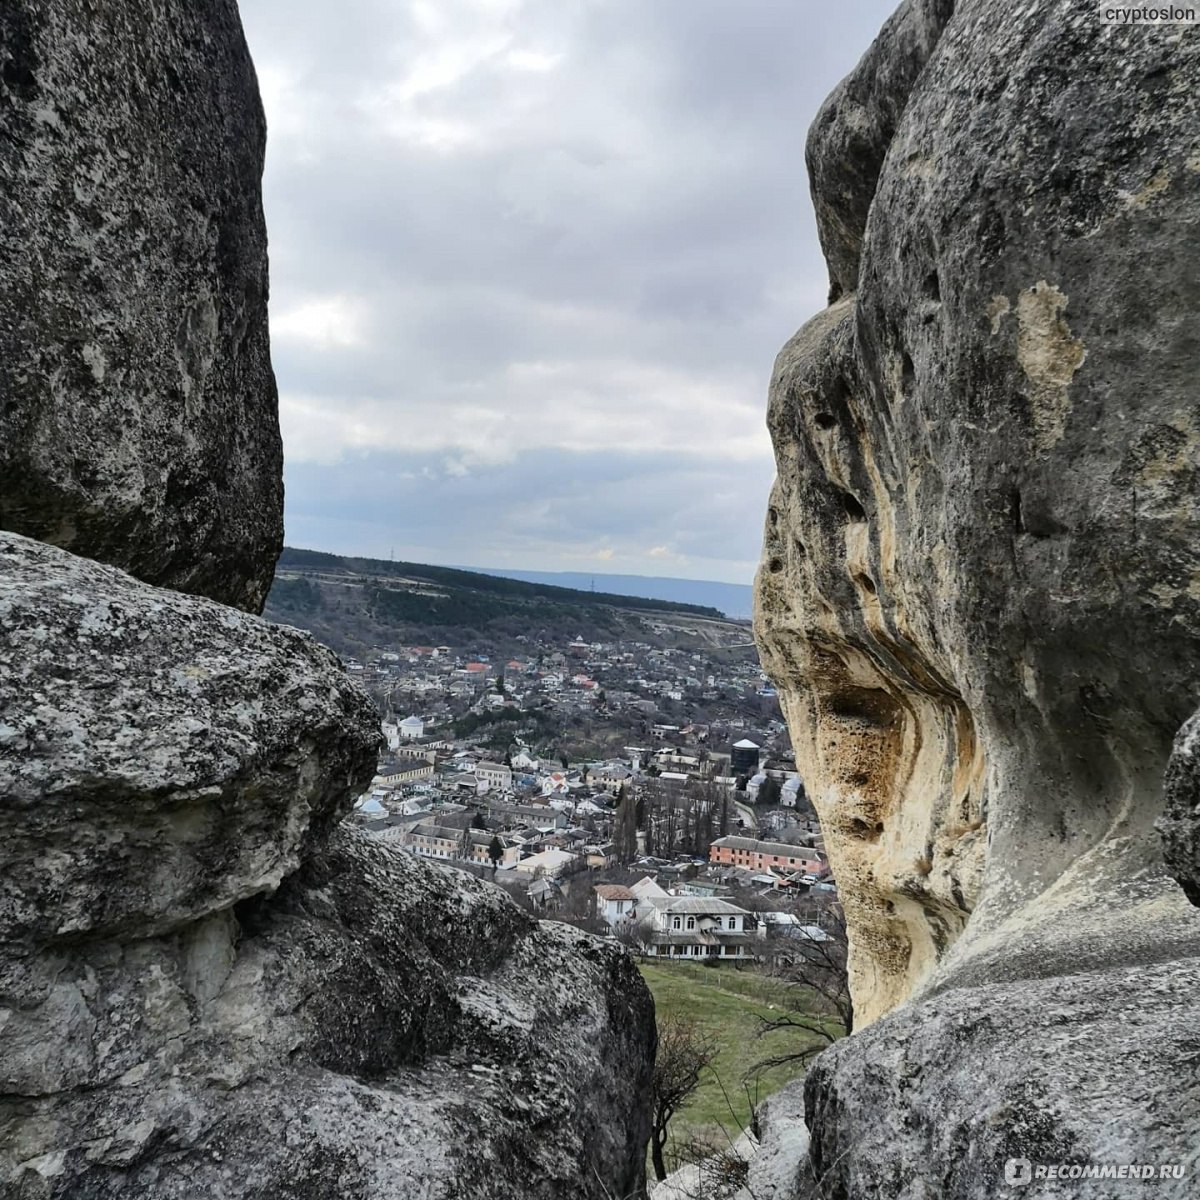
column 866, row 583
column 852, row 507
column 863, row 706
column 775, row 566
column 825, row 420
column 933, row 287
column 867, row 831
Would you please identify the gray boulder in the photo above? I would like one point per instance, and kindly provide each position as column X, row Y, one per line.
column 380, row 1029
column 161, row 756
column 1079, row 1074
column 138, row 415
column 208, row 986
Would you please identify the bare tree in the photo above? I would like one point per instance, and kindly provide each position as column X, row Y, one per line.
column 684, row 1050
column 633, row 934
column 821, row 1003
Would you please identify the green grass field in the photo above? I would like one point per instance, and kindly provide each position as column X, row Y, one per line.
column 727, row 1003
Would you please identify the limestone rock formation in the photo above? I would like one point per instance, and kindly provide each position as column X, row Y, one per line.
column 980, row 591
column 937, row 1099
column 138, row 416
column 209, row 986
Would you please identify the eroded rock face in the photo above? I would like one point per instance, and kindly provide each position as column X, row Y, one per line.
column 980, row 593
column 138, row 414
column 379, row 1029
column 161, row 756
column 980, row 596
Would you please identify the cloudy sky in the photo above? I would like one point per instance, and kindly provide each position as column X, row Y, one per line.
column 531, row 261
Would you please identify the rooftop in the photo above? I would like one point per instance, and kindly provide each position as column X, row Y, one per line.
column 733, row 842
column 702, row 905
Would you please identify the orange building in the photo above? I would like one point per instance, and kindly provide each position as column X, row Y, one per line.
column 753, row 855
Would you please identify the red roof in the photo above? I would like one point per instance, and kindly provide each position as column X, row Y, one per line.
column 614, row 891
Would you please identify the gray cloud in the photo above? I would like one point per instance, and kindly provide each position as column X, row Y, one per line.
column 531, row 262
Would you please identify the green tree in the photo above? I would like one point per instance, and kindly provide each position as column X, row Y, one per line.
column 477, row 821
column 495, row 850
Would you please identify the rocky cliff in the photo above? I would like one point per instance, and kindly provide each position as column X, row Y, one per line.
column 208, row 985
column 980, row 592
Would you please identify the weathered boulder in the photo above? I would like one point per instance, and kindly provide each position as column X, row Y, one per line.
column 161, row 756
column 980, row 593
column 1180, row 823
column 379, row 1029
column 138, row 414
column 851, row 133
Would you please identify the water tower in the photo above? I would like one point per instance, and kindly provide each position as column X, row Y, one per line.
column 743, row 757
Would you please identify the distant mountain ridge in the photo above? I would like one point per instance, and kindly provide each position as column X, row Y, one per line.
column 502, row 586
column 356, row 605
column 735, row 600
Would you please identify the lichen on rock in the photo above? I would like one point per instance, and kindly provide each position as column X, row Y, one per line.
column 161, row 756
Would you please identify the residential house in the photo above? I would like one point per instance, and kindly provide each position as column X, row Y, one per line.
column 609, row 776
column 551, row 863
column 434, row 841
column 401, row 773
column 544, row 893
column 479, row 849
column 699, row 927
column 614, row 903
column 601, row 858
column 494, row 776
